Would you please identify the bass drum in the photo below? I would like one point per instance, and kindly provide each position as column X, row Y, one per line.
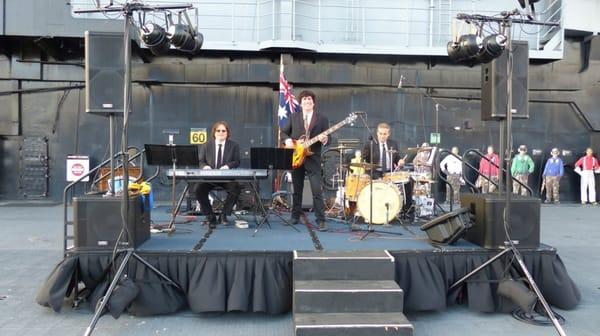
column 387, row 202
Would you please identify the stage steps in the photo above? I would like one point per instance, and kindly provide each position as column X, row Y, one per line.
column 347, row 293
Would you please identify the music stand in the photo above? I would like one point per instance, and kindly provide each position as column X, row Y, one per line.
column 165, row 155
column 272, row 159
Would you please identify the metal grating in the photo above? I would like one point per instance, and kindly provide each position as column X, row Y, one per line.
column 33, row 178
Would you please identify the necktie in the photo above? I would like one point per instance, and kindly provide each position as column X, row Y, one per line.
column 306, row 123
column 220, row 156
column 383, row 157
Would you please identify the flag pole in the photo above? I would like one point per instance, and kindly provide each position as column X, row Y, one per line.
column 277, row 185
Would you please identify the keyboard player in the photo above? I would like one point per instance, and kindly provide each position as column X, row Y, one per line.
column 220, row 152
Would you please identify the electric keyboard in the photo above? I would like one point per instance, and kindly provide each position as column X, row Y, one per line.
column 218, row 174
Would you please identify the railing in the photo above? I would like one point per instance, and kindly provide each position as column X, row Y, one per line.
column 501, row 169
column 69, row 187
column 439, row 173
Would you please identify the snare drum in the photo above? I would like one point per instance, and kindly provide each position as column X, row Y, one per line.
column 354, row 184
column 397, row 177
column 387, row 202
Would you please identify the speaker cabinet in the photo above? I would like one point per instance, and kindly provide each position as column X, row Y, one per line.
column 488, row 229
column 494, row 88
column 97, row 221
column 104, row 72
column 448, row 228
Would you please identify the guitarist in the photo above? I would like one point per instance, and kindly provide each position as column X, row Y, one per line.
column 307, row 124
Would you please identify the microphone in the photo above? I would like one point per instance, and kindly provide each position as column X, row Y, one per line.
column 402, row 77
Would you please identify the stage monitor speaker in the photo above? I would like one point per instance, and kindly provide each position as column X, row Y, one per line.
column 104, row 72
column 448, row 228
column 494, row 88
column 488, row 229
column 97, row 221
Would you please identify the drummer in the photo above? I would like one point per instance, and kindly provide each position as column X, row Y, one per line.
column 393, row 160
column 385, row 152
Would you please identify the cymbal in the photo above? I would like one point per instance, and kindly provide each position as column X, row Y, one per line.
column 342, row 147
column 364, row 165
column 419, row 148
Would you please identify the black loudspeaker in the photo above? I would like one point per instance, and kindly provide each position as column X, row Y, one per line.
column 488, row 229
column 97, row 221
column 448, row 228
column 494, row 88
column 104, row 72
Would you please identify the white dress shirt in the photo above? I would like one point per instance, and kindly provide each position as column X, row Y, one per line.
column 307, row 117
column 383, row 151
column 451, row 165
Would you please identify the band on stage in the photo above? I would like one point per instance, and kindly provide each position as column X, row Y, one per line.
column 401, row 181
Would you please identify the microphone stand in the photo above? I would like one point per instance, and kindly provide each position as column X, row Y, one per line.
column 371, row 141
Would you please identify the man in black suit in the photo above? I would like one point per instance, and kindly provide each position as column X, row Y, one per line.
column 390, row 161
column 309, row 124
column 219, row 153
column 383, row 145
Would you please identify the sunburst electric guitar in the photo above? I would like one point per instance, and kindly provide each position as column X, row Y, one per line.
column 301, row 146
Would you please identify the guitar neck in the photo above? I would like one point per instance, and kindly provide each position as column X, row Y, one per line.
column 330, row 130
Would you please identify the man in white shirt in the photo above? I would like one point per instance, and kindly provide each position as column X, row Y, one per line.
column 452, row 167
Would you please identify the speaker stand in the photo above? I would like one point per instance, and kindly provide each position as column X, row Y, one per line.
column 104, row 300
column 523, row 267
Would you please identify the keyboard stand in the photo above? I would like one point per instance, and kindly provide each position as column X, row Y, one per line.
column 253, row 183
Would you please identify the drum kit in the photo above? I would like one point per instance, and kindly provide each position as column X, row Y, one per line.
column 354, row 188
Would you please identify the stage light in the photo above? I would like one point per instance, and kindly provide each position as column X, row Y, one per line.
column 491, row 48
column 155, row 37
column 467, row 47
column 184, row 38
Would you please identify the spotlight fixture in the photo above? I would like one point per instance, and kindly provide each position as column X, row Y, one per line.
column 155, row 37
column 491, row 48
column 184, row 38
column 467, row 47
column 473, row 49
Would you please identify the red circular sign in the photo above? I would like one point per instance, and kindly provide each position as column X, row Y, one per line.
column 77, row 169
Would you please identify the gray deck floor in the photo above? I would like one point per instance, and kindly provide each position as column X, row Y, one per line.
column 30, row 246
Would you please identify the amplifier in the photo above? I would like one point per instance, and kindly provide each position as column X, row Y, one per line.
column 97, row 221
column 488, row 228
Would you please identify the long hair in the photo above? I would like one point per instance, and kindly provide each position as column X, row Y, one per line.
column 217, row 124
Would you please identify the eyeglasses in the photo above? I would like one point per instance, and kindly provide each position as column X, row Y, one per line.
column 221, row 130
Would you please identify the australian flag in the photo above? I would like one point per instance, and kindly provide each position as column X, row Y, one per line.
column 287, row 102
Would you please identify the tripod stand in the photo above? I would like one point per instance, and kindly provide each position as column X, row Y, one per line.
column 517, row 255
column 506, row 20
column 127, row 10
column 104, row 300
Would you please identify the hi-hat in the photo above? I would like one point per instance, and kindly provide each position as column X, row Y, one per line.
column 364, row 165
column 341, row 147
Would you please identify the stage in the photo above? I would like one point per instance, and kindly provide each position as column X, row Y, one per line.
column 228, row 269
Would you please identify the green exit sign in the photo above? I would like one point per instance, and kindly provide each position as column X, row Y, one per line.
column 435, row 138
